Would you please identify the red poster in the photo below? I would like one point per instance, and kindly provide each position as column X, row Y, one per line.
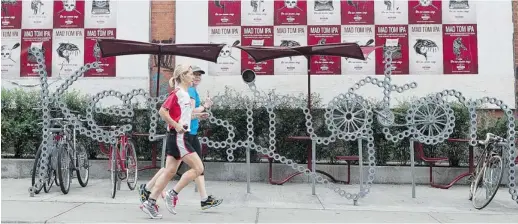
column 256, row 36
column 11, row 14
column 69, row 14
column 41, row 39
column 460, row 49
column 92, row 52
column 323, row 64
column 357, row 12
column 224, row 13
column 393, row 38
column 424, row 12
column 290, row 12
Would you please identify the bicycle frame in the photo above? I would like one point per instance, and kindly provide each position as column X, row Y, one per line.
column 120, row 154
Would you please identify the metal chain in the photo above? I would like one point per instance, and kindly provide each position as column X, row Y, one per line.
column 348, row 116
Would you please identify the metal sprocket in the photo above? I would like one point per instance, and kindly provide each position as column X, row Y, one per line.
column 348, row 114
column 431, row 120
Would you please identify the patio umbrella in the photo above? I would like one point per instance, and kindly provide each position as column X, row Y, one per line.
column 348, row 50
column 118, row 47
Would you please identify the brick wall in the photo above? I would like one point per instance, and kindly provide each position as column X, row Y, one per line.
column 515, row 21
column 162, row 31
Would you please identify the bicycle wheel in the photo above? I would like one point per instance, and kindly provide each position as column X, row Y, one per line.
column 36, row 169
column 131, row 165
column 475, row 175
column 64, row 169
column 83, row 165
column 113, row 170
column 488, row 183
column 52, row 173
column 50, row 181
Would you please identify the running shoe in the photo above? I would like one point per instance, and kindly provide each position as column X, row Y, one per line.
column 170, row 201
column 144, row 195
column 151, row 210
column 210, row 202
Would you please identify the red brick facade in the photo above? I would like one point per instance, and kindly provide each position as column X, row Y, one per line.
column 515, row 34
column 163, row 28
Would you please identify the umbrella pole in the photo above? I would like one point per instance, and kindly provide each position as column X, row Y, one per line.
column 158, row 76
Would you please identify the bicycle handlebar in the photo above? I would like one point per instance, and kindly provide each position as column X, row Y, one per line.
column 491, row 138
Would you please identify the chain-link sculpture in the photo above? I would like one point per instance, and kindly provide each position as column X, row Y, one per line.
column 348, row 116
column 95, row 132
column 429, row 120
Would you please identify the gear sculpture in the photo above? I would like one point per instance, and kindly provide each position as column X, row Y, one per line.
column 348, row 116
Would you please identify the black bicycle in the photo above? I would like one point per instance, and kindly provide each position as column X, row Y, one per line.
column 65, row 155
column 488, row 172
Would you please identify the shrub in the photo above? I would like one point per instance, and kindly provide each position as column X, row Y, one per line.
column 21, row 133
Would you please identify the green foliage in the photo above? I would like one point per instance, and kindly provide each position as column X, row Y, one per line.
column 21, row 133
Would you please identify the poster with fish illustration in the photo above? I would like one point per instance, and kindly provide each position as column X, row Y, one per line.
column 460, row 49
column 363, row 35
column 357, row 12
column 92, row 53
column 11, row 49
column 224, row 13
column 424, row 11
column 11, row 14
column 459, row 12
column 37, row 14
column 36, row 38
column 257, row 13
column 290, row 12
column 391, row 12
column 69, row 14
column 324, row 12
column 290, row 36
column 257, row 36
column 425, row 49
column 393, row 38
column 229, row 60
column 67, row 52
column 323, row 64
column 100, row 14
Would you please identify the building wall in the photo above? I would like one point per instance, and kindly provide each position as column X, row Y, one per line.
column 132, row 71
column 162, row 31
column 496, row 62
column 175, row 21
column 515, row 35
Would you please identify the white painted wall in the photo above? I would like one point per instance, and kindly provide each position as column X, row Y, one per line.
column 132, row 71
column 495, row 47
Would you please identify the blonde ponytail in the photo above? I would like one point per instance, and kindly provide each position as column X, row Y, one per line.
column 179, row 71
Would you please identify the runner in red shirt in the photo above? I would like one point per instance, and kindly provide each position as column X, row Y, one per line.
column 177, row 113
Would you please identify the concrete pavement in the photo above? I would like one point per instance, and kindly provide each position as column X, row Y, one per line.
column 266, row 203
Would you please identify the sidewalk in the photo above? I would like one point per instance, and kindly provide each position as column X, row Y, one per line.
column 291, row 203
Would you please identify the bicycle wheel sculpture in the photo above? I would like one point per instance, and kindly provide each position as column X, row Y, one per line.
column 431, row 120
column 350, row 110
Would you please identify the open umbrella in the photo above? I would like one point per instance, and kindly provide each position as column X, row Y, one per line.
column 347, row 50
column 118, row 47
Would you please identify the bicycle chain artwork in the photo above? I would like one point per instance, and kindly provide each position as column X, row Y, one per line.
column 429, row 120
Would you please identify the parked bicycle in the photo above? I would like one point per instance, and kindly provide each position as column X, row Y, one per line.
column 488, row 172
column 122, row 160
column 65, row 157
column 50, row 175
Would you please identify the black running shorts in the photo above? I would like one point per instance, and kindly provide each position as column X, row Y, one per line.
column 178, row 145
column 195, row 143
